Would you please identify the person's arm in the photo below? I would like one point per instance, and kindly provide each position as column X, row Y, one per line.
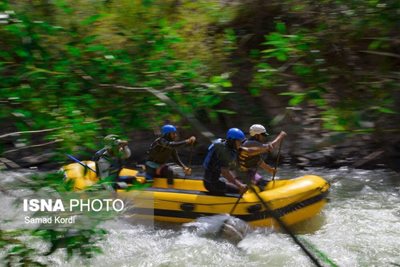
column 278, row 139
column 231, row 178
column 175, row 157
column 225, row 161
column 267, row 168
column 174, row 144
column 253, row 151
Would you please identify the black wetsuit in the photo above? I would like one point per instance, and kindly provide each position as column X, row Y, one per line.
column 161, row 150
column 220, row 155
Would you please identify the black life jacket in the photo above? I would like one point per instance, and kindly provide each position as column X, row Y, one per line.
column 210, row 152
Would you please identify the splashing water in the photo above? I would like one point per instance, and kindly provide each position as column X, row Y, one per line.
column 360, row 226
column 220, row 226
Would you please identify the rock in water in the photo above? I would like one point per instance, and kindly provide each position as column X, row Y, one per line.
column 234, row 230
column 220, row 226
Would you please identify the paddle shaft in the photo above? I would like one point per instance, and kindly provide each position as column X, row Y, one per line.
column 277, row 160
column 108, row 187
column 286, row 228
column 191, row 155
column 190, row 158
column 241, row 195
column 80, row 162
column 237, row 202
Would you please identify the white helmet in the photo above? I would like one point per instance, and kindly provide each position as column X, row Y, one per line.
column 257, row 129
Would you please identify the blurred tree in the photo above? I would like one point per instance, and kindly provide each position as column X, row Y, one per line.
column 64, row 63
column 62, row 59
column 338, row 55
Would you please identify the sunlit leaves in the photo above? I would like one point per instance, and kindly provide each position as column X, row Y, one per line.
column 304, row 60
column 62, row 4
column 129, row 43
column 90, row 20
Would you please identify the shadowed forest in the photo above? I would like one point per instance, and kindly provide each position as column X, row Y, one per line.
column 326, row 72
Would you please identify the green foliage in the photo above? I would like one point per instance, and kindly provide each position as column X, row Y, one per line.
column 63, row 63
column 54, row 180
column 61, row 59
column 17, row 253
column 329, row 60
column 78, row 242
column 18, row 244
column 60, row 54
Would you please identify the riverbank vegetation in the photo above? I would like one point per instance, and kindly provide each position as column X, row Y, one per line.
column 73, row 72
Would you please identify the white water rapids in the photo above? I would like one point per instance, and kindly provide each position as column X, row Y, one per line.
column 360, row 226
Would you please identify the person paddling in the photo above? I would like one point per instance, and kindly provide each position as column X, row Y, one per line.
column 161, row 150
column 109, row 160
column 250, row 163
column 221, row 160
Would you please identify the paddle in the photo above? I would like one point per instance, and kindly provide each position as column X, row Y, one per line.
column 80, row 162
column 276, row 216
column 190, row 159
column 273, row 177
column 277, row 160
column 285, row 227
column 237, row 202
column 107, row 186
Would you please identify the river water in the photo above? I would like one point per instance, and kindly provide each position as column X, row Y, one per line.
column 360, row 226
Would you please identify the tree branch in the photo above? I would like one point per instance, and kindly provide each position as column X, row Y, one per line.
column 48, row 130
column 29, row 132
column 9, row 163
column 386, row 54
column 166, row 99
column 32, row 146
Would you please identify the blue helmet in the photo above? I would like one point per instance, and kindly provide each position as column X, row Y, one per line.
column 168, row 128
column 235, row 134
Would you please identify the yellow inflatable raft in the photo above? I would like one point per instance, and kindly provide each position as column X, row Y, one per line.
column 294, row 200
